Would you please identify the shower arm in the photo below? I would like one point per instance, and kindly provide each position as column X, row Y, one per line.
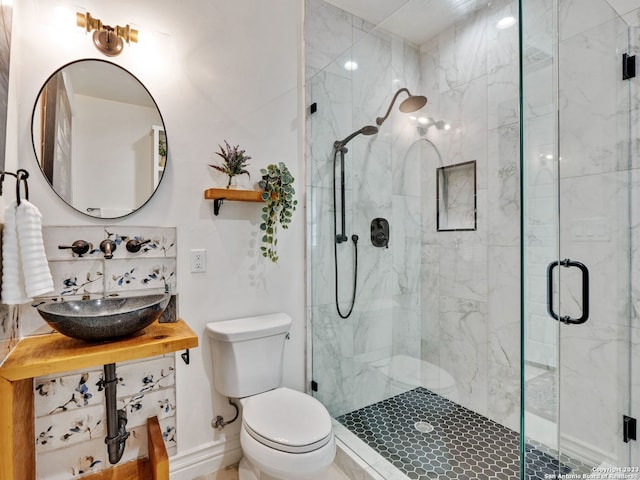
column 380, row 120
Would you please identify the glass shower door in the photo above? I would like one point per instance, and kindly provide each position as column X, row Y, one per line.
column 577, row 240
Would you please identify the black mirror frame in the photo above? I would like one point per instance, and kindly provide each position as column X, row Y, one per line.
column 35, row 149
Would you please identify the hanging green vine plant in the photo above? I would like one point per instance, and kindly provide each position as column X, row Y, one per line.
column 277, row 184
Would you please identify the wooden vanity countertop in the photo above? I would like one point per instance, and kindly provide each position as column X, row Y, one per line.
column 55, row 353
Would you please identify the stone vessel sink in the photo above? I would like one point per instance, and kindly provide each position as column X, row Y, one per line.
column 103, row 318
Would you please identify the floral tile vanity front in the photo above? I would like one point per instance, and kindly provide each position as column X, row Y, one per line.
column 54, row 353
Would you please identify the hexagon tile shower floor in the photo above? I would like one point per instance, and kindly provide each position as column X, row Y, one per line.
column 429, row 437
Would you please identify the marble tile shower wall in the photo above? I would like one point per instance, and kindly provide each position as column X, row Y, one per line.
column 381, row 182
column 70, row 413
column 470, row 280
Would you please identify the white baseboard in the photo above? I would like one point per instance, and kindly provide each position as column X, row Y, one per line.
column 205, row 459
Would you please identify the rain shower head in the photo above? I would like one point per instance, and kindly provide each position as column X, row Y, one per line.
column 366, row 130
column 408, row 105
column 413, row 103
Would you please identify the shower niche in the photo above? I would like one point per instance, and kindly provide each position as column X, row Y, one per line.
column 456, row 197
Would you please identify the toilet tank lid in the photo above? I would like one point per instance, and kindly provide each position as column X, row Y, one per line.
column 247, row 328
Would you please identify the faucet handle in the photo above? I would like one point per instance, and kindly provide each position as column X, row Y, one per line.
column 79, row 247
column 134, row 245
column 108, row 246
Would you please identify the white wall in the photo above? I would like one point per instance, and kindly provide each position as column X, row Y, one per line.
column 228, row 71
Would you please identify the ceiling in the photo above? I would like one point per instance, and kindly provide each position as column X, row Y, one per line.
column 415, row 20
column 104, row 80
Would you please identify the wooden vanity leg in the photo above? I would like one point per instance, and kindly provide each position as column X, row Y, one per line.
column 158, row 458
column 17, row 430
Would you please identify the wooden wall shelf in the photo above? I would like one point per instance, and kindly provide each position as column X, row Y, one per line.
column 218, row 195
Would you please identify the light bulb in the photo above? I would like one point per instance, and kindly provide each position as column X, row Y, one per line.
column 350, row 65
column 506, row 22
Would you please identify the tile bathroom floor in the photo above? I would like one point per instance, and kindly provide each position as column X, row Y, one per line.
column 426, row 436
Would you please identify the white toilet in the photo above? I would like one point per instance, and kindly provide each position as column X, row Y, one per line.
column 285, row 434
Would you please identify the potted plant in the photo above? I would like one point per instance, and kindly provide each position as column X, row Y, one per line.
column 277, row 183
column 235, row 162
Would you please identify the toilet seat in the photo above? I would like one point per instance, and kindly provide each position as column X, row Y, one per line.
column 287, row 420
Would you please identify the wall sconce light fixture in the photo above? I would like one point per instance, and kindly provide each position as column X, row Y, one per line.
column 109, row 40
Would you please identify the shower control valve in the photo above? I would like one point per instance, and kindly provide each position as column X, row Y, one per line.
column 380, row 232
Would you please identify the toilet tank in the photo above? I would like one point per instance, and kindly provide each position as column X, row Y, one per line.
column 247, row 353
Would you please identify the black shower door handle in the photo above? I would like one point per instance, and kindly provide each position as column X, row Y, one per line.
column 585, row 291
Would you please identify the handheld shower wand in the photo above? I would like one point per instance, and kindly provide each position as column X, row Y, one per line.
column 366, row 130
column 340, row 148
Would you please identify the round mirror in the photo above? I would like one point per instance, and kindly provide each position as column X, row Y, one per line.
column 99, row 138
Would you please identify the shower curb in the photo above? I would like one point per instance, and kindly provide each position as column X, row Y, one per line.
column 352, row 465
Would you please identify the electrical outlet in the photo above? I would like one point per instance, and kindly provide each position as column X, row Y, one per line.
column 198, row 260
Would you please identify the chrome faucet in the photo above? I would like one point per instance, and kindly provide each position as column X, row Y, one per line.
column 108, row 246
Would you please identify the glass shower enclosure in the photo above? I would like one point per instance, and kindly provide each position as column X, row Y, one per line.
column 505, row 299
column 436, row 323
column 580, row 238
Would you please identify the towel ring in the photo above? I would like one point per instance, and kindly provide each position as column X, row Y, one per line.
column 21, row 177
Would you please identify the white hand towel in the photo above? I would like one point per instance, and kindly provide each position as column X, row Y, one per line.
column 13, row 292
column 35, row 267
